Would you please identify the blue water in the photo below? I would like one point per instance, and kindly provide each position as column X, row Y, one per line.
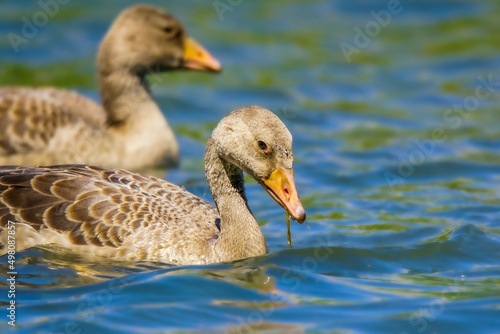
column 397, row 152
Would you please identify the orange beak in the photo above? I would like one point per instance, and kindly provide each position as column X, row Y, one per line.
column 281, row 187
column 197, row 58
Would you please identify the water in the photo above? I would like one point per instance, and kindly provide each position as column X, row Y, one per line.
column 402, row 191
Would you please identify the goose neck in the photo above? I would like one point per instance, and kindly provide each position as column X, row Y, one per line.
column 240, row 235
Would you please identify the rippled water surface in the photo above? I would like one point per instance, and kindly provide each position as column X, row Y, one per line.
column 397, row 146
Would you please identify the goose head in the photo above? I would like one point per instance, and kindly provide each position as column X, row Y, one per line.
column 145, row 39
column 255, row 140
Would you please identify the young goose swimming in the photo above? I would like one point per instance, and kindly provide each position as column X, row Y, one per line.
column 42, row 126
column 120, row 214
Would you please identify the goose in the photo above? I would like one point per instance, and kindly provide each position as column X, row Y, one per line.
column 124, row 215
column 46, row 126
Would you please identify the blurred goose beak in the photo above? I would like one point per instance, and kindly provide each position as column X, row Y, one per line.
column 197, row 58
column 281, row 186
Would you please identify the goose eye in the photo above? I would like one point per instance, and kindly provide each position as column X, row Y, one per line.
column 168, row 30
column 263, row 146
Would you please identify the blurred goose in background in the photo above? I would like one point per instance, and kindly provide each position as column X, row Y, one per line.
column 42, row 126
column 123, row 215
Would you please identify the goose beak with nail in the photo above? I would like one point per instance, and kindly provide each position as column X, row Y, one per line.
column 197, row 58
column 281, row 186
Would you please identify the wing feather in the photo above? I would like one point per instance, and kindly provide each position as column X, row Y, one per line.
column 97, row 206
column 31, row 117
